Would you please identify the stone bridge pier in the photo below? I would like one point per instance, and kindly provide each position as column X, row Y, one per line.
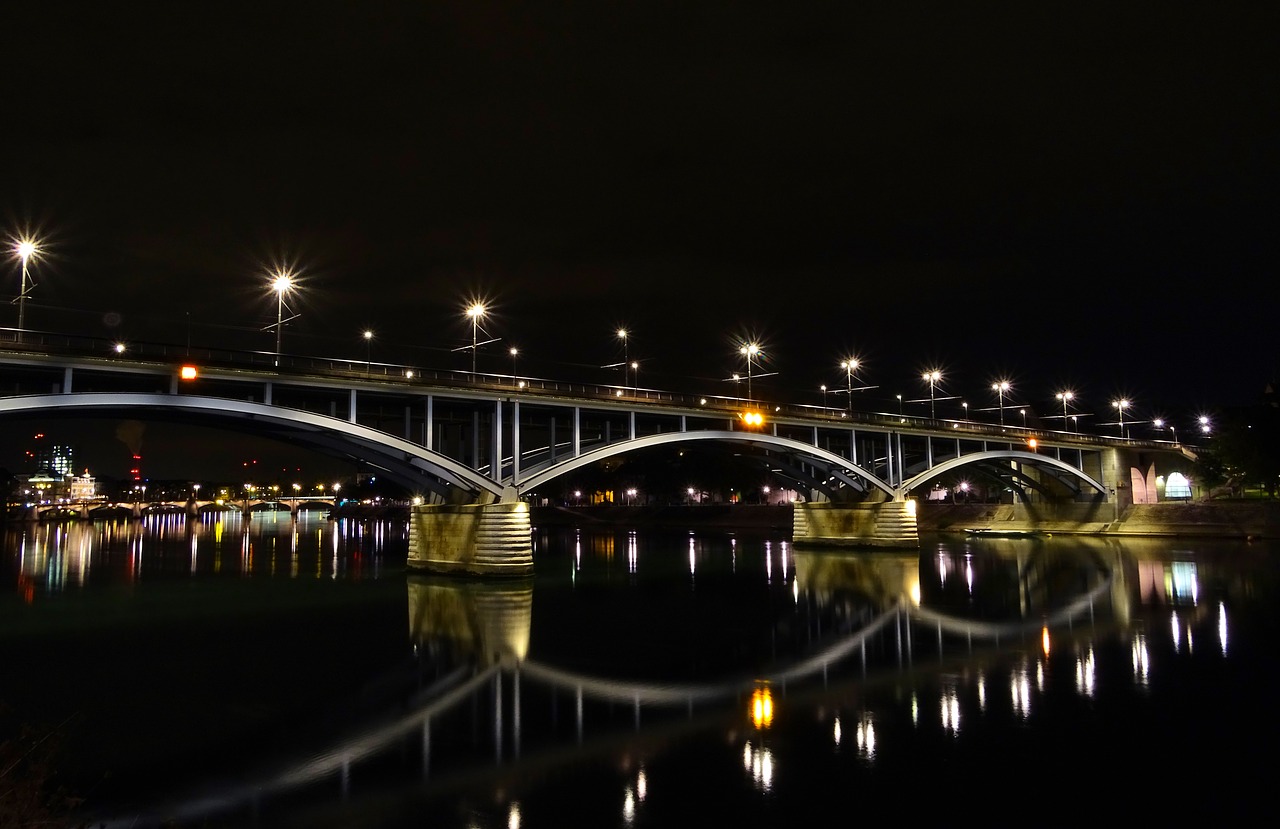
column 493, row 539
column 891, row 524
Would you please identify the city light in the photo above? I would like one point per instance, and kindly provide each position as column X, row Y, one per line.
column 25, row 249
column 476, row 312
column 1001, row 388
column 1066, row 397
column 850, row 366
column 1120, row 406
column 932, row 377
column 750, row 351
column 282, row 283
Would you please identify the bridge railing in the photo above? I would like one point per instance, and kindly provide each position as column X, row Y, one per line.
column 44, row 343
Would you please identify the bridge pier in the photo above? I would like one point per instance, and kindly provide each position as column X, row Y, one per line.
column 891, row 524
column 473, row 539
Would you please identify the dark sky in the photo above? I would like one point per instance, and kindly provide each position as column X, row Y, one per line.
column 1058, row 194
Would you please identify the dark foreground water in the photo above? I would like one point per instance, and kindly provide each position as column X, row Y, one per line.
column 292, row 674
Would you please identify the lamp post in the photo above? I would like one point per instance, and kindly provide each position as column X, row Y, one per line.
column 1121, row 405
column 1023, row 412
column 626, row 360
column 514, row 352
column 25, row 248
column 635, row 376
column 1000, row 387
column 899, row 405
column 1160, row 424
column 476, row 311
column 850, row 366
column 1065, row 397
column 282, row 284
column 964, row 405
column 368, row 352
column 749, row 350
column 824, row 395
column 932, row 377
column 1205, row 425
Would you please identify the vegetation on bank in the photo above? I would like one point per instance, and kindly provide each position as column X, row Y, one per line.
column 1242, row 457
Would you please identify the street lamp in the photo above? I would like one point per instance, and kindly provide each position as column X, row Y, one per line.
column 965, row 406
column 25, row 248
column 1000, row 387
column 635, row 375
column 1160, row 424
column 1065, row 397
column 368, row 352
column 476, row 311
column 899, row 405
column 282, row 284
column 931, row 377
column 1023, row 412
column 514, row 352
column 626, row 360
column 1121, row 405
column 750, row 351
column 1204, row 424
column 824, row 395
column 850, row 366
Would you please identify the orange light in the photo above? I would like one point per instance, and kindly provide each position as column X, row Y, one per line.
column 761, row 708
column 1031, row 444
column 752, row 420
column 187, row 373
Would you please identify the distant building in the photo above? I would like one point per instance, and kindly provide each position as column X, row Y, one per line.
column 82, row 488
column 53, row 458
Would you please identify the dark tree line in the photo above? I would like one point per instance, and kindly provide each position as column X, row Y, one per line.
column 1243, row 452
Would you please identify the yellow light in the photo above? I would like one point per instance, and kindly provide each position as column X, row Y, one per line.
column 752, row 420
column 1031, row 444
column 1044, row 639
column 187, row 372
column 761, row 709
column 26, row 248
column 282, row 283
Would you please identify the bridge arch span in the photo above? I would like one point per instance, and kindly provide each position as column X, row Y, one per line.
column 996, row 455
column 414, row 466
column 834, row 464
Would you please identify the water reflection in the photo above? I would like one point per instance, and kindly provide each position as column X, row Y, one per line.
column 647, row 660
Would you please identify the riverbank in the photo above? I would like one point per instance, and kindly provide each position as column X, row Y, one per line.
column 1210, row 519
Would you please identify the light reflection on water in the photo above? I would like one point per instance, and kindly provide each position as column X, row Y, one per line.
column 634, row 661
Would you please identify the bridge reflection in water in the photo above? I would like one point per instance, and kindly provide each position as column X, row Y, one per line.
column 872, row 630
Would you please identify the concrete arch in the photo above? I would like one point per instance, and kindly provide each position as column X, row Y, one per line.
column 793, row 447
column 997, row 455
column 408, row 463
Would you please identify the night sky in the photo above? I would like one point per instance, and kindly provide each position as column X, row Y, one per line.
column 1056, row 194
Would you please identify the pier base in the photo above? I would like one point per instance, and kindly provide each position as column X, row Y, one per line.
column 472, row 539
column 890, row 524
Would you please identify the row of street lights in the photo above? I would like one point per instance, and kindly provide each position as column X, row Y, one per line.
column 283, row 281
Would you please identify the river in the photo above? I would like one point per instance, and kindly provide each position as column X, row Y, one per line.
column 282, row 672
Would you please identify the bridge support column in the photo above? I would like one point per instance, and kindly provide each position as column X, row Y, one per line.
column 891, row 524
column 472, row 539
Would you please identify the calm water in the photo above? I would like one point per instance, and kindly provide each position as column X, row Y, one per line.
column 283, row 673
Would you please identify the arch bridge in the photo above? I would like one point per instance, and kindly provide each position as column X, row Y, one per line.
column 478, row 450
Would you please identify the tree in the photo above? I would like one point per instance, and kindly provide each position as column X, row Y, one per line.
column 1244, row 450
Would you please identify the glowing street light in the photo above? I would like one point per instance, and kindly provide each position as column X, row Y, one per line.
column 282, row 284
column 1001, row 387
column 368, row 352
column 514, row 352
column 1066, row 397
column 1121, row 405
column 24, row 248
column 626, row 359
column 476, row 312
column 850, row 366
column 1205, row 425
column 750, row 351
column 932, row 377
column 1160, row 424
column 824, row 395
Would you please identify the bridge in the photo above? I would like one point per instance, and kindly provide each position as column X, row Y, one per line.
column 479, row 447
column 139, row 508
